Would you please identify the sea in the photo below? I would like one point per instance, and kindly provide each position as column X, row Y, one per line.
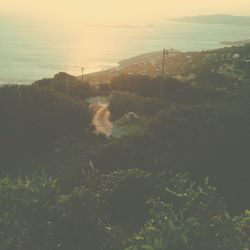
column 29, row 51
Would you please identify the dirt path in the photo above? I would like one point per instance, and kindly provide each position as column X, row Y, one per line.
column 102, row 122
column 101, row 119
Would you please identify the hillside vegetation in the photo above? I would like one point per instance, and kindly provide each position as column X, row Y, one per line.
column 177, row 179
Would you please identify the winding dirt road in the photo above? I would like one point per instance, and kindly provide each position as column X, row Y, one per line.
column 101, row 120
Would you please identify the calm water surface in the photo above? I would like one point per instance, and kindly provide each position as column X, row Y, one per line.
column 29, row 52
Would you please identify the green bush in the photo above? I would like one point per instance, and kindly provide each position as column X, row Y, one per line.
column 66, row 84
column 124, row 102
column 107, row 209
column 28, row 213
column 195, row 220
column 35, row 215
column 33, row 120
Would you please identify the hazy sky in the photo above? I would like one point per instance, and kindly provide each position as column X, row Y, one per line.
column 117, row 11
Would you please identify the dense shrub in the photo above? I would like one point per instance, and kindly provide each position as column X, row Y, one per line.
column 196, row 220
column 202, row 140
column 170, row 89
column 165, row 211
column 33, row 119
column 28, row 213
column 124, row 102
column 35, row 215
column 67, row 85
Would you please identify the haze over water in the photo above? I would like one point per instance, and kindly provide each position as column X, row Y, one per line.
column 29, row 52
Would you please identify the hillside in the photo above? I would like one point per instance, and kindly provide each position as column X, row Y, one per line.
column 134, row 162
column 231, row 63
column 236, row 43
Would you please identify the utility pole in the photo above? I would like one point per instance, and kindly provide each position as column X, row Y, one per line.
column 82, row 73
column 165, row 52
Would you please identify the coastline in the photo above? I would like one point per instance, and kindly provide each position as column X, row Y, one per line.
column 149, row 64
column 176, row 64
column 144, row 64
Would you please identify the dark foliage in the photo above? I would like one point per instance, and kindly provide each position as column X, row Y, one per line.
column 35, row 214
column 67, row 85
column 199, row 124
column 33, row 119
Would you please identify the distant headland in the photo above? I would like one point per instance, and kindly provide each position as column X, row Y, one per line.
column 216, row 19
column 235, row 43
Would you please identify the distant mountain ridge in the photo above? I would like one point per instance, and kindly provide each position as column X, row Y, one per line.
column 217, row 19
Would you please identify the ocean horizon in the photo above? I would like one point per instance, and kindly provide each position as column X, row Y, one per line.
column 29, row 52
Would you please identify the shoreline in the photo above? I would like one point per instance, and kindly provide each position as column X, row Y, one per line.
column 143, row 64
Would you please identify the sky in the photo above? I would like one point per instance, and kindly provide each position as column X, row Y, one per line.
column 117, row 11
